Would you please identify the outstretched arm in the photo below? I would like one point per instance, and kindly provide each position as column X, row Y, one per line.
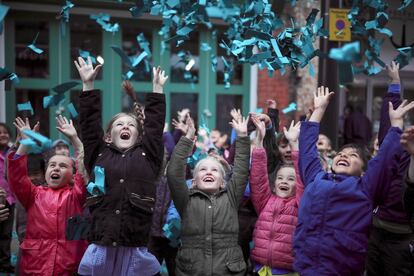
column 309, row 162
column 238, row 181
column 393, row 95
column 21, row 126
column 90, row 111
column 66, row 128
column 177, row 168
column 382, row 168
column 259, row 181
column 155, row 120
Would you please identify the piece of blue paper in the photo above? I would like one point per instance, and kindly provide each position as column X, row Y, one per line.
column 33, row 47
column 53, row 100
column 6, row 75
column 72, row 110
column 63, row 87
column 36, row 142
column 290, row 108
column 3, row 11
column 25, row 107
column 97, row 187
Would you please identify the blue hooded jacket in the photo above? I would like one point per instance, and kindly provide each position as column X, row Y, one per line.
column 335, row 213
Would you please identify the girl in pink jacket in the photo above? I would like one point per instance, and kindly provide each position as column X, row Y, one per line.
column 276, row 206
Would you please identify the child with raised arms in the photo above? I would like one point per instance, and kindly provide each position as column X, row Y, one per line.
column 208, row 210
column 129, row 154
column 335, row 213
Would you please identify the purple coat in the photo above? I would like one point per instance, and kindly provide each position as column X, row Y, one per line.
column 391, row 208
column 335, row 213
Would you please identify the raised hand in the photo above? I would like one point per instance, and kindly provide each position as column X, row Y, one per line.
column 271, row 103
column 322, row 97
column 22, row 125
column 236, row 114
column 292, row 135
column 240, row 127
column 159, row 79
column 183, row 127
column 190, row 128
column 260, row 129
column 66, row 127
column 320, row 102
column 407, row 140
column 393, row 71
column 86, row 72
column 397, row 115
column 182, row 114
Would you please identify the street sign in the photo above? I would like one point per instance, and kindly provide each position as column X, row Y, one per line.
column 339, row 25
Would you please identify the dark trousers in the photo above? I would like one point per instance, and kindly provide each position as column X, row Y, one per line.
column 389, row 254
column 160, row 248
column 6, row 228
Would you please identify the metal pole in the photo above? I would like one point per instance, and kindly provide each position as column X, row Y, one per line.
column 328, row 77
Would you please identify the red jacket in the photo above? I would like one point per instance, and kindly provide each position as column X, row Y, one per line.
column 45, row 250
column 273, row 234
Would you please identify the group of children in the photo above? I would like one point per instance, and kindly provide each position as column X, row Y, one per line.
column 314, row 207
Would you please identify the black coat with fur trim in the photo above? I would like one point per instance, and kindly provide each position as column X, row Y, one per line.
column 122, row 216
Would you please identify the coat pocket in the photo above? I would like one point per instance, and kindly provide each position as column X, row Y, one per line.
column 235, row 263
column 142, row 203
column 184, row 261
column 236, row 266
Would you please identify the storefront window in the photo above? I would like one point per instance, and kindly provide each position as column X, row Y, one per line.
column 184, row 100
column 224, row 104
column 185, row 68
column 131, row 47
column 28, row 63
column 84, row 36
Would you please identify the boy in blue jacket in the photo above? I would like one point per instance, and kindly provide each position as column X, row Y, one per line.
column 336, row 209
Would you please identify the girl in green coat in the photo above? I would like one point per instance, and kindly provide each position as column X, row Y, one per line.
column 209, row 208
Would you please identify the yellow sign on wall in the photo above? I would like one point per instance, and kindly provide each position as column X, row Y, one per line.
column 339, row 25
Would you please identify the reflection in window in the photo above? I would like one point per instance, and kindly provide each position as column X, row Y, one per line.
column 40, row 114
column 237, row 77
column 224, row 104
column 28, row 63
column 127, row 102
column 131, row 47
column 183, row 69
column 86, row 36
column 184, row 100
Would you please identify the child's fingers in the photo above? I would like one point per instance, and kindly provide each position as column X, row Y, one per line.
column 77, row 65
column 81, row 61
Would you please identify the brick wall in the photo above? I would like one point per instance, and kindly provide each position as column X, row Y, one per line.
column 276, row 87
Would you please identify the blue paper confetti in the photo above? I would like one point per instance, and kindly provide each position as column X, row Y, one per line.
column 33, row 47
column 290, row 108
column 3, row 11
column 64, row 16
column 72, row 110
column 86, row 54
column 103, row 20
column 36, row 142
column 97, row 187
column 25, row 107
column 348, row 53
column 6, row 75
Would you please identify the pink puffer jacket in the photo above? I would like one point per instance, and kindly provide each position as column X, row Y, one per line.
column 278, row 217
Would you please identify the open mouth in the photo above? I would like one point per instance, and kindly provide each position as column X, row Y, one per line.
column 55, row 176
column 208, row 179
column 284, row 188
column 125, row 135
column 342, row 163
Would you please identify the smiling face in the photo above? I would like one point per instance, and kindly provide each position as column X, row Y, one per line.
column 285, row 183
column 348, row 161
column 59, row 172
column 4, row 137
column 209, row 176
column 124, row 132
